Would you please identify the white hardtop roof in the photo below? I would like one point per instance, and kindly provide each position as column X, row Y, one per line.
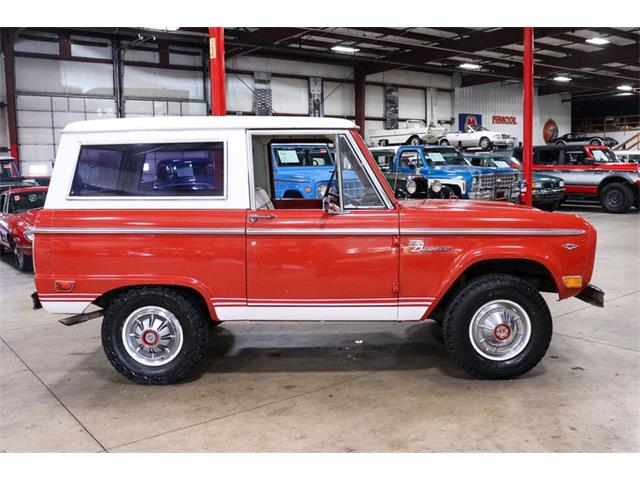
column 207, row 123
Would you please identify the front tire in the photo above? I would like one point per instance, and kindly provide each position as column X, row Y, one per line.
column 485, row 144
column 154, row 335
column 414, row 141
column 24, row 263
column 497, row 327
column 616, row 198
column 444, row 142
column 595, row 141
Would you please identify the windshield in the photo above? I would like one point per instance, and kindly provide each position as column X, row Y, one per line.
column 8, row 170
column 444, row 156
column 303, row 156
column 602, row 155
column 478, row 128
column 24, row 201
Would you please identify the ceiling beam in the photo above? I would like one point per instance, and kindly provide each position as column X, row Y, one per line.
column 263, row 36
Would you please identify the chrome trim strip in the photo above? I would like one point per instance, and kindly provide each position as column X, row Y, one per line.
column 323, row 231
column 492, row 231
column 140, row 231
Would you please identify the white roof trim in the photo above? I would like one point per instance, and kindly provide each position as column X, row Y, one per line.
column 207, row 123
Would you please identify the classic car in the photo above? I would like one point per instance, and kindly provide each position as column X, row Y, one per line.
column 581, row 138
column 448, row 165
column 412, row 132
column 10, row 176
column 477, row 136
column 303, row 170
column 590, row 173
column 628, row 156
column 159, row 270
column 408, row 184
column 18, row 207
column 548, row 192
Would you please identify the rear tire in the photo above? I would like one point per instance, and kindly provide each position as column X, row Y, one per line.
column 414, row 141
column 560, row 142
column 444, row 142
column 616, row 198
column 485, row 144
column 166, row 315
column 24, row 263
column 595, row 141
column 500, row 312
column 383, row 143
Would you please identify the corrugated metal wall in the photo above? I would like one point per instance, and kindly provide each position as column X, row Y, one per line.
column 506, row 100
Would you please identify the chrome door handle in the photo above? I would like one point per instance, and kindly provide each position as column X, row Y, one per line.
column 253, row 218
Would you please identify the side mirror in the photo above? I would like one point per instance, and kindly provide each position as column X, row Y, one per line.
column 331, row 208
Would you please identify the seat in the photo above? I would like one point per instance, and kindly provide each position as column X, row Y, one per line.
column 263, row 201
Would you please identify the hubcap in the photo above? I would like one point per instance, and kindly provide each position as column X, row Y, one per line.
column 615, row 198
column 500, row 330
column 152, row 336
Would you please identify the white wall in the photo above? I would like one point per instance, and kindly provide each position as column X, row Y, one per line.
column 497, row 99
column 4, row 124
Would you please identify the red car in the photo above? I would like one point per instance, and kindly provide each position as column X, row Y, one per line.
column 18, row 208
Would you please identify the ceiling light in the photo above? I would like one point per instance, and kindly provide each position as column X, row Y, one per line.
column 167, row 29
column 625, row 88
column 343, row 49
column 470, row 66
column 562, row 78
column 597, row 41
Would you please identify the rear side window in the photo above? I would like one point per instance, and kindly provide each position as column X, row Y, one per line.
column 150, row 169
column 547, row 157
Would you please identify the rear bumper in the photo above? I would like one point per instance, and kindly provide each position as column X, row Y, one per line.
column 592, row 295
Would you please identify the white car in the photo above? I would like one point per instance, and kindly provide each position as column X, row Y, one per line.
column 411, row 132
column 477, row 136
column 628, row 156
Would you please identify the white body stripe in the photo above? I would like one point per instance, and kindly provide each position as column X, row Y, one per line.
column 65, row 306
column 316, row 313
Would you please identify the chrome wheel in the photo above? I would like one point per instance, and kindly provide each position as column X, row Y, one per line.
column 152, row 336
column 500, row 330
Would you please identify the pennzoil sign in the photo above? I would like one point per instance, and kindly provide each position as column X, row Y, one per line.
column 504, row 120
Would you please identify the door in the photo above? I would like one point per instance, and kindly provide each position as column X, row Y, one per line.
column 307, row 264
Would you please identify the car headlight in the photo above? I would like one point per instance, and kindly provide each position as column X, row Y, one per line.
column 411, row 186
column 561, row 184
column 537, row 185
column 474, row 181
column 28, row 234
column 321, row 189
column 436, row 186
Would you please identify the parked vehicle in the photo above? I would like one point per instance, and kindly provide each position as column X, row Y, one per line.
column 581, row 138
column 411, row 132
column 548, row 192
column 161, row 268
column 409, row 184
column 476, row 136
column 10, row 176
column 18, row 207
column 448, row 165
column 628, row 156
column 590, row 173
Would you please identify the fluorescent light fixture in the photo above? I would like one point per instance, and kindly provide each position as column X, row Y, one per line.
column 597, row 41
column 562, row 78
column 470, row 66
column 343, row 49
column 38, row 170
column 625, row 88
column 168, row 29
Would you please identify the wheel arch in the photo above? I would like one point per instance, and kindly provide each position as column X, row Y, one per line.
column 613, row 179
column 537, row 271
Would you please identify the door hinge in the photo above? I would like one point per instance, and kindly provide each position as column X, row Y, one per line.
column 395, row 287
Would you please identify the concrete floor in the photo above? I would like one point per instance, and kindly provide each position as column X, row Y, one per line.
column 316, row 387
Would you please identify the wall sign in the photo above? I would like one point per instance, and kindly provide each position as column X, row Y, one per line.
column 550, row 131
column 315, row 97
column 504, row 120
column 390, row 106
column 469, row 119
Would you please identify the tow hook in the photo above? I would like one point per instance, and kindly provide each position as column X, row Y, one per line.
column 81, row 318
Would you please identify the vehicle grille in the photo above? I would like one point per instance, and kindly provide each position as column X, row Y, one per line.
column 505, row 136
column 352, row 187
column 487, row 181
column 505, row 180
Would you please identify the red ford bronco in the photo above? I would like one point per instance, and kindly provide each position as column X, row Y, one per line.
column 214, row 245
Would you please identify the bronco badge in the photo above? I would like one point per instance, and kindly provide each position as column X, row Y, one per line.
column 418, row 246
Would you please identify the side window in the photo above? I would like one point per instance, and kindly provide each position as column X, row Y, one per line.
column 384, row 159
column 574, row 157
column 548, row 157
column 358, row 191
column 2, row 200
column 150, row 169
column 410, row 159
column 477, row 162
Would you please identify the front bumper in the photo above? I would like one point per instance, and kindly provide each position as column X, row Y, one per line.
column 592, row 295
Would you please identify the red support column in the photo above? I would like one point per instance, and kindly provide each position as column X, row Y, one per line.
column 360, row 94
column 10, row 78
column 527, row 123
column 216, row 70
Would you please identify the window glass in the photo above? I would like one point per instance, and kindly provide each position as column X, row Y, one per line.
column 357, row 189
column 150, row 169
column 410, row 159
column 601, row 155
column 25, row 201
column 444, row 156
column 548, row 157
column 302, row 156
column 2, row 200
column 384, row 158
column 575, row 157
column 8, row 169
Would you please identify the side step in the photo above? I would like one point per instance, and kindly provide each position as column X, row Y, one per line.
column 83, row 317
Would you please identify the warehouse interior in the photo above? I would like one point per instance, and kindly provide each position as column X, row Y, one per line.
column 328, row 387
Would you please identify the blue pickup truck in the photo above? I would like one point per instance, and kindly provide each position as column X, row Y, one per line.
column 304, row 170
column 449, row 166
